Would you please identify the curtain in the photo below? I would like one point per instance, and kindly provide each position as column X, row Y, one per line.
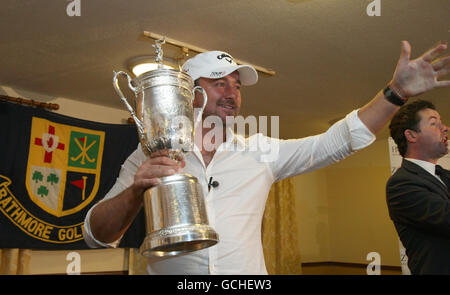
column 137, row 263
column 15, row 261
column 279, row 234
column 280, row 231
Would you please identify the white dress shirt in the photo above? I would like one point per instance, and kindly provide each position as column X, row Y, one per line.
column 245, row 169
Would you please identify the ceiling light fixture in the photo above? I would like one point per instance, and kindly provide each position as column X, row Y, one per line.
column 146, row 67
column 143, row 64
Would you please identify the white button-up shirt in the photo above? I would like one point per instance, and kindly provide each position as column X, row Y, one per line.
column 245, row 169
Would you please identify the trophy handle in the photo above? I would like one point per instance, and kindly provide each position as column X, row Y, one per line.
column 205, row 99
column 139, row 124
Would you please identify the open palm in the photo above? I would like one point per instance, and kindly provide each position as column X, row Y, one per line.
column 414, row 77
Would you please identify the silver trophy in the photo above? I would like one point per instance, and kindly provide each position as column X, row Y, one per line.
column 175, row 211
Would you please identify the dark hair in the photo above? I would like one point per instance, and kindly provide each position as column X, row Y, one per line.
column 407, row 118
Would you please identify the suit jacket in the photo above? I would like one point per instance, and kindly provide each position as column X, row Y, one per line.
column 419, row 206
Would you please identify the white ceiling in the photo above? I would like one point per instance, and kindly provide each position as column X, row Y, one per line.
column 329, row 56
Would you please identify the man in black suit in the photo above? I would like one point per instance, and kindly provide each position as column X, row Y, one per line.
column 418, row 192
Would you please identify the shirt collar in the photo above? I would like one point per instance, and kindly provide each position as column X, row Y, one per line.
column 430, row 167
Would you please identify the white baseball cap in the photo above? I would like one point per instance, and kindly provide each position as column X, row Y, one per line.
column 218, row 64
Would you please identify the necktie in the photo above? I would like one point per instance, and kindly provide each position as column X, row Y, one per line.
column 443, row 175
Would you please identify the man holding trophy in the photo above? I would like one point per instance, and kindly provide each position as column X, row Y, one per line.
column 229, row 175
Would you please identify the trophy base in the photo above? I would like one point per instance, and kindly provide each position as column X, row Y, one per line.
column 177, row 240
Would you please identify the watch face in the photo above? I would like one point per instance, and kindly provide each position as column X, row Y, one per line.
column 388, row 91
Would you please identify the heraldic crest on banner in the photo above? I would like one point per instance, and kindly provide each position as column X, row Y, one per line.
column 63, row 158
column 54, row 168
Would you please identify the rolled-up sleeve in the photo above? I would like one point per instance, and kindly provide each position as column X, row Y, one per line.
column 89, row 238
column 360, row 135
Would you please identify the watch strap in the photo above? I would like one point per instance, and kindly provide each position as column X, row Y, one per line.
column 393, row 97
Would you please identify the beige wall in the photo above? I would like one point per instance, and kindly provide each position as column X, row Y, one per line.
column 312, row 215
column 342, row 211
column 74, row 108
column 91, row 261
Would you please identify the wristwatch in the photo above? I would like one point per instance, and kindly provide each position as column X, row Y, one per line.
column 393, row 97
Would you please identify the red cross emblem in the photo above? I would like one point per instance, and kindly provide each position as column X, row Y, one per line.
column 50, row 142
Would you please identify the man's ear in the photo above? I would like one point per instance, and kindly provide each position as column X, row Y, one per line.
column 198, row 100
column 410, row 135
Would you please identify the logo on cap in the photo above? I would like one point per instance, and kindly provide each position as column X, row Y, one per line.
column 226, row 56
column 217, row 74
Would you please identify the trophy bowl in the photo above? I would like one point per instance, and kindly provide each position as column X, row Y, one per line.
column 175, row 211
